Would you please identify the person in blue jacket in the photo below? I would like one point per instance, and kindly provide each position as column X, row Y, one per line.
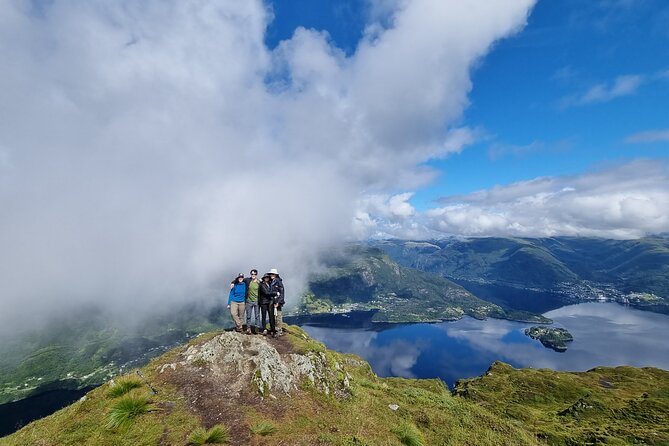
column 236, row 301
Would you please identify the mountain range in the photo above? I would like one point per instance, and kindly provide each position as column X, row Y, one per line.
column 364, row 278
column 539, row 274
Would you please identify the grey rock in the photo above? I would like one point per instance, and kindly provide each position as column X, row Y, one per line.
column 235, row 360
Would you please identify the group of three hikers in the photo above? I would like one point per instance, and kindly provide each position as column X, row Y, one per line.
column 250, row 296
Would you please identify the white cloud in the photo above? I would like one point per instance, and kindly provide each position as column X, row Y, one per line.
column 605, row 92
column 457, row 139
column 648, row 136
column 627, row 201
column 383, row 216
column 150, row 159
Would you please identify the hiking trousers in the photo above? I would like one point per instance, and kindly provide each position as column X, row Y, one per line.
column 237, row 313
column 252, row 308
column 267, row 311
column 279, row 319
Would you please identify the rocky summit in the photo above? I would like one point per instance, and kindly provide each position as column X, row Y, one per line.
column 238, row 389
column 215, row 375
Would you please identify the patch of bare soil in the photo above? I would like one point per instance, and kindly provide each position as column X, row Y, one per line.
column 281, row 344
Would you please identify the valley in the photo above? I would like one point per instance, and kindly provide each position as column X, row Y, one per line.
column 568, row 269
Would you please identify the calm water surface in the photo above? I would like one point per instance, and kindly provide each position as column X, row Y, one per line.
column 15, row 415
column 605, row 334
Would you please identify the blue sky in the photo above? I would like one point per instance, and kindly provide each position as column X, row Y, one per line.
column 529, row 103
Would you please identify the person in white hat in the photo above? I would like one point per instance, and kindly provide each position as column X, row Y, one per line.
column 276, row 285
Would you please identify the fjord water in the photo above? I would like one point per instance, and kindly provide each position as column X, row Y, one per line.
column 605, row 334
column 19, row 413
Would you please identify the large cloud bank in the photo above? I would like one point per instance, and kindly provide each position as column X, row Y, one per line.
column 625, row 201
column 149, row 149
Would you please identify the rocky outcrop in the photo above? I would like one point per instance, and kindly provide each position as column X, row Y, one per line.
column 239, row 360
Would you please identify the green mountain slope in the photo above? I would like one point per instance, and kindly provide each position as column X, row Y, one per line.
column 510, row 261
column 574, row 268
column 622, row 405
column 293, row 391
column 366, row 278
column 633, row 265
column 89, row 347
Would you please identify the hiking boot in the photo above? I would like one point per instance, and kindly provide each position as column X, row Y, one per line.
column 238, row 329
column 248, row 331
column 264, row 332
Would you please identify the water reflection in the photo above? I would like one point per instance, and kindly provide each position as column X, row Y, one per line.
column 604, row 335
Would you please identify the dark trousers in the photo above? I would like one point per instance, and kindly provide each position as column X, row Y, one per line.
column 267, row 310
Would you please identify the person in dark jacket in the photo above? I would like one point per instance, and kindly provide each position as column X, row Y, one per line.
column 236, row 300
column 276, row 285
column 266, row 299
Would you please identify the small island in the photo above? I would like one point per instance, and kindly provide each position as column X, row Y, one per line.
column 551, row 337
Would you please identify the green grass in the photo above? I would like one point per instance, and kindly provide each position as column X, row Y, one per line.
column 216, row 435
column 364, row 417
column 263, row 428
column 125, row 411
column 123, row 386
column 622, row 405
column 83, row 422
column 507, row 406
column 408, row 435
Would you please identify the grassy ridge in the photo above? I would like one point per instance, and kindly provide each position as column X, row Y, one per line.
column 622, row 405
column 506, row 406
column 425, row 409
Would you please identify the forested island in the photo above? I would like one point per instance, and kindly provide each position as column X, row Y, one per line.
column 555, row 338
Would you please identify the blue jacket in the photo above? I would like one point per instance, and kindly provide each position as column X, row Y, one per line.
column 237, row 293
